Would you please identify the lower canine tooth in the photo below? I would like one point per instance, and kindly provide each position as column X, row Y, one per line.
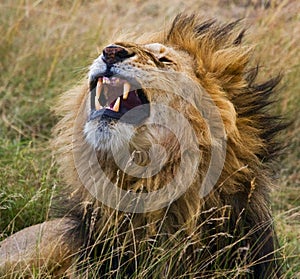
column 117, row 105
column 126, row 90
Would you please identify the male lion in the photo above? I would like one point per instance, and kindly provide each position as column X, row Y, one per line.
column 167, row 154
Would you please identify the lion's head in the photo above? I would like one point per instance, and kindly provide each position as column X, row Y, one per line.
column 126, row 80
column 172, row 127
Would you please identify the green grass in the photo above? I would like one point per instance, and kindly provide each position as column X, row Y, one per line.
column 28, row 178
column 46, row 47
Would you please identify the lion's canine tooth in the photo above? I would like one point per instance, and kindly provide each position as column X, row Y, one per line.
column 117, row 105
column 98, row 92
column 126, row 90
column 97, row 104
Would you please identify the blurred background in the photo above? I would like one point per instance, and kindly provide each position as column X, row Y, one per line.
column 46, row 48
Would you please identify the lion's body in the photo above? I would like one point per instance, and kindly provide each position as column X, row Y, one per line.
column 228, row 229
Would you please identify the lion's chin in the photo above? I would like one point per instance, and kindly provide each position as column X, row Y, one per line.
column 105, row 135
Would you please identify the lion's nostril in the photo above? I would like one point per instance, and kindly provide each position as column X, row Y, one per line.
column 114, row 53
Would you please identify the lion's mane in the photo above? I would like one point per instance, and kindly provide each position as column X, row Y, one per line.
column 232, row 225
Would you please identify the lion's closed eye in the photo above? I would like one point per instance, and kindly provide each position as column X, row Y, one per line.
column 165, row 59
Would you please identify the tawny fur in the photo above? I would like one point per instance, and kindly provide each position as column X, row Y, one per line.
column 232, row 225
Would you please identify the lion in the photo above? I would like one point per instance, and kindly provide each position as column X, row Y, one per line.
column 167, row 154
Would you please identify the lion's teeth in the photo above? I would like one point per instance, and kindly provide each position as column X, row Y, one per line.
column 106, row 80
column 98, row 88
column 117, row 105
column 97, row 104
column 98, row 92
column 126, row 90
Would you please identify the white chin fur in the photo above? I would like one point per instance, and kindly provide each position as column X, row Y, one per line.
column 106, row 136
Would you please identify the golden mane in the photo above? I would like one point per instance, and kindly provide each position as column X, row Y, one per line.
column 221, row 66
column 219, row 222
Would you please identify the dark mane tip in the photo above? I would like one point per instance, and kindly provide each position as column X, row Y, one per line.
column 204, row 26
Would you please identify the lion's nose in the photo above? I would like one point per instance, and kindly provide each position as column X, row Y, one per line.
column 114, row 53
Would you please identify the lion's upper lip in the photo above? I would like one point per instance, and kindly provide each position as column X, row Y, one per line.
column 114, row 96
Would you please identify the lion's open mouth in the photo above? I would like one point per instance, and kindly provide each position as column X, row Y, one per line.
column 118, row 99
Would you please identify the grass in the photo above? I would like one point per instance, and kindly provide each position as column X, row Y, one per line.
column 45, row 48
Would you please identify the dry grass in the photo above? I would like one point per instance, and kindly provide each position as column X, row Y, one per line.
column 45, row 48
